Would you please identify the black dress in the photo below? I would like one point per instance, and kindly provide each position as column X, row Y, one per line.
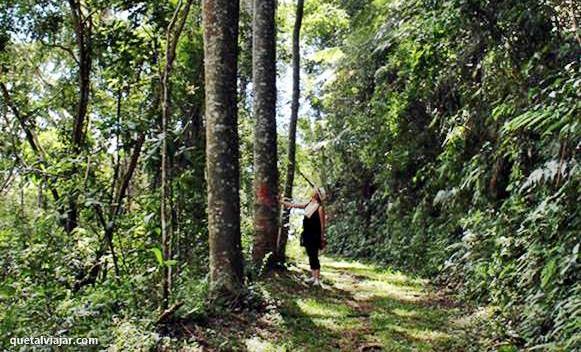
column 312, row 238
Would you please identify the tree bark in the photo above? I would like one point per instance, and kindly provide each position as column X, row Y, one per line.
column 83, row 29
column 83, row 34
column 265, row 150
column 220, row 21
column 290, row 172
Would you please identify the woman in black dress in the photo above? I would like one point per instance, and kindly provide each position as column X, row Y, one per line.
column 313, row 236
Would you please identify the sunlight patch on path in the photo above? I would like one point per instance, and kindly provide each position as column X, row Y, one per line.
column 362, row 305
column 317, row 308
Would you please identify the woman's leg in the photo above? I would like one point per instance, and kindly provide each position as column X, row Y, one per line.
column 313, row 253
column 312, row 278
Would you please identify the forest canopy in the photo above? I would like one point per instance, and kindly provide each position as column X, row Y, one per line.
column 145, row 148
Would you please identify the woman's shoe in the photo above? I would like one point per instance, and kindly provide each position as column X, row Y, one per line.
column 310, row 280
column 317, row 282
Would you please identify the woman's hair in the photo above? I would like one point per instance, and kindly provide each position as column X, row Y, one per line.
column 316, row 196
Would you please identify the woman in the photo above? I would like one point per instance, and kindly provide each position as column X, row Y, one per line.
column 313, row 236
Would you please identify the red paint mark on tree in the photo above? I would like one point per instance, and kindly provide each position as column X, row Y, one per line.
column 264, row 196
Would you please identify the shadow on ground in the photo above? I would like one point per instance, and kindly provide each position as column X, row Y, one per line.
column 363, row 308
column 359, row 308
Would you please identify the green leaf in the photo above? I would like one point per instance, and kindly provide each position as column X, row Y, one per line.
column 171, row 262
column 158, row 255
column 548, row 273
column 6, row 291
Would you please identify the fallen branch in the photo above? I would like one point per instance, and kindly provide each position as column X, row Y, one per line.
column 168, row 313
column 371, row 347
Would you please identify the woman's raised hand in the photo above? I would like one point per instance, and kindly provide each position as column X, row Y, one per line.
column 287, row 202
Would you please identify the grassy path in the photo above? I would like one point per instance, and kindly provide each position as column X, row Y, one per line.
column 359, row 308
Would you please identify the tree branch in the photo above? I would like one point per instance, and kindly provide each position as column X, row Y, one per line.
column 30, row 136
column 109, row 226
column 63, row 48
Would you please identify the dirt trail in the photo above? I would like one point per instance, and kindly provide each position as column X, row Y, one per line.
column 359, row 308
column 362, row 308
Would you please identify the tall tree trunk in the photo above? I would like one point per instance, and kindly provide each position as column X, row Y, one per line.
column 290, row 172
column 265, row 154
column 220, row 19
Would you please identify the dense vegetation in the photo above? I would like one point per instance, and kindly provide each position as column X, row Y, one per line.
column 446, row 133
column 451, row 136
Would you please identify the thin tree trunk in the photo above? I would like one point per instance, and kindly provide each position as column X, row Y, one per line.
column 117, row 157
column 83, row 29
column 245, row 57
column 220, row 18
column 174, row 31
column 110, row 226
column 266, row 211
column 290, row 172
column 83, row 34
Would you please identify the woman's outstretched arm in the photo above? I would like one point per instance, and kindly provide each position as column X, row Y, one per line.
column 290, row 204
column 323, row 220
